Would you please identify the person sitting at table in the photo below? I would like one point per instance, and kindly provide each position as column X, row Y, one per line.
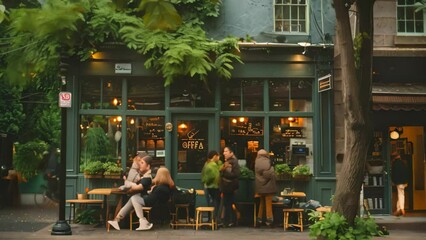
column 136, row 200
column 133, row 177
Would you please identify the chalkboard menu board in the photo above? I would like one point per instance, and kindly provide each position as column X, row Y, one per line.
column 152, row 128
column 292, row 132
column 249, row 128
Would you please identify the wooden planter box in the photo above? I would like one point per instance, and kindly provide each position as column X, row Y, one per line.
column 302, row 178
column 283, row 177
column 99, row 175
column 112, row 176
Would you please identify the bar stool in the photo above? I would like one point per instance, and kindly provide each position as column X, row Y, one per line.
column 146, row 210
column 299, row 212
column 199, row 217
column 175, row 215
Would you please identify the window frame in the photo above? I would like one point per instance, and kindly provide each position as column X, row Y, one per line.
column 406, row 7
column 290, row 19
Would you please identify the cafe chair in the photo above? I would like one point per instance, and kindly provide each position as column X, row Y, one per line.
column 147, row 212
column 299, row 212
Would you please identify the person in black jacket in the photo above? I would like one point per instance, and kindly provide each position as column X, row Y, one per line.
column 400, row 179
column 229, row 183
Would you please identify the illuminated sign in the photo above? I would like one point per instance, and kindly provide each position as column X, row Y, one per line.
column 325, row 83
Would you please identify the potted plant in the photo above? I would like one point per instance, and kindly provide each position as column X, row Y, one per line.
column 92, row 169
column 245, row 191
column 301, row 172
column 282, row 171
column 112, row 170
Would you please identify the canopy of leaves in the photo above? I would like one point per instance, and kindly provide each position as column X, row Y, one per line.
column 29, row 158
column 169, row 32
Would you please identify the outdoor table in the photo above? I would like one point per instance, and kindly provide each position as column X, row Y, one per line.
column 106, row 192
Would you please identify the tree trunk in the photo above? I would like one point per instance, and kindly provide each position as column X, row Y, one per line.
column 356, row 98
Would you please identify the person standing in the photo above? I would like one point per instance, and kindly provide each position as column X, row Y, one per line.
column 265, row 185
column 136, row 201
column 229, row 183
column 400, row 179
column 210, row 176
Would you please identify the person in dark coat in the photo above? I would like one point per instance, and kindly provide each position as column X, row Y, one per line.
column 399, row 177
column 229, row 183
column 265, row 185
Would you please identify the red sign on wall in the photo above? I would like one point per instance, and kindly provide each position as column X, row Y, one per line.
column 65, row 99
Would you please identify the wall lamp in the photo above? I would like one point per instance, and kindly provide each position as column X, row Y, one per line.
column 396, row 133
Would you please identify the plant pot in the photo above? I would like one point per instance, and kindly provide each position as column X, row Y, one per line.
column 99, row 175
column 302, row 177
column 81, row 196
column 283, row 177
column 112, row 176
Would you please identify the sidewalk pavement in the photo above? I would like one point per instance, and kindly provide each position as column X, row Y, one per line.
column 14, row 224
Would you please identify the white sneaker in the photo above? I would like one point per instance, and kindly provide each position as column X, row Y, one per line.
column 144, row 227
column 114, row 224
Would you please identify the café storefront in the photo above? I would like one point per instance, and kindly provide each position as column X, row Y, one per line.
column 272, row 102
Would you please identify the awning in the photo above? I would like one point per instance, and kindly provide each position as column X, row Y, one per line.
column 399, row 97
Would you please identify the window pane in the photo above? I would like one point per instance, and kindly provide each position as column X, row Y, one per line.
column 231, row 95
column 253, row 95
column 301, row 95
column 145, row 94
column 101, row 94
column 291, row 140
column 146, row 134
column 279, row 95
column 192, row 144
column 192, row 93
column 244, row 135
column 100, row 140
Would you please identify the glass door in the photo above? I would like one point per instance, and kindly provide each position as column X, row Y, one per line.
column 193, row 138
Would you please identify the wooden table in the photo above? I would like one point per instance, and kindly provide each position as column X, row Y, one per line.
column 72, row 203
column 106, row 192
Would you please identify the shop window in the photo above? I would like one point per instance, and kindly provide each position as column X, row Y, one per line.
column 145, row 94
column 291, row 140
column 410, row 21
column 100, row 139
column 146, row 134
column 246, row 95
column 291, row 16
column 244, row 135
column 100, row 93
column 293, row 95
column 192, row 93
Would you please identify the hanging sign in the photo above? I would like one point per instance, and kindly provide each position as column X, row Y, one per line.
column 65, row 99
column 325, row 83
column 123, row 68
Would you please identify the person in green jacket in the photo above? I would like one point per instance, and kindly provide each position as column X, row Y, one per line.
column 210, row 176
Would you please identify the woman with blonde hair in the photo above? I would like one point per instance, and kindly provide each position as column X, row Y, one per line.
column 158, row 195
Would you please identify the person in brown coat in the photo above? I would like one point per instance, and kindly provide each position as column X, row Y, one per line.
column 265, row 185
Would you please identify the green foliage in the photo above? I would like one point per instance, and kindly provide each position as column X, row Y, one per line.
column 111, row 168
column 29, row 158
column 12, row 115
column 335, row 226
column 282, row 168
column 359, row 38
column 92, row 167
column 48, row 126
column 246, row 173
column 87, row 216
column 96, row 144
column 301, row 170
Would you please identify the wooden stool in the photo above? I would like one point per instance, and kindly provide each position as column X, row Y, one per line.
column 323, row 210
column 199, row 217
column 299, row 212
column 146, row 210
column 175, row 215
column 72, row 203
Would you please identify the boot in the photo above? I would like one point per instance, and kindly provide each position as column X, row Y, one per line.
column 144, row 225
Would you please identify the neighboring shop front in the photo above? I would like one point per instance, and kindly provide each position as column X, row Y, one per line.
column 119, row 108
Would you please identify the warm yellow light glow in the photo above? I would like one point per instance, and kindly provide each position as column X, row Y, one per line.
column 290, row 119
column 241, row 119
column 182, row 126
column 115, row 101
column 234, row 120
column 132, row 121
column 119, row 118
